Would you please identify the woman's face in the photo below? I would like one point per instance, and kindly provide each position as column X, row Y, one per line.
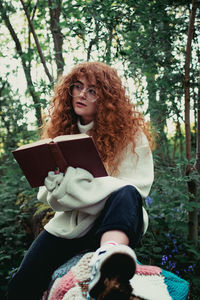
column 84, row 99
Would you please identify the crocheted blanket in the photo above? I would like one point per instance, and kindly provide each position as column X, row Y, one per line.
column 71, row 280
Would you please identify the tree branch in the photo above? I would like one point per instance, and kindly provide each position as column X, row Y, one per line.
column 37, row 42
column 94, row 41
column 27, row 73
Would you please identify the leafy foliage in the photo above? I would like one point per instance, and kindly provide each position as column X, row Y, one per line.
column 13, row 237
column 145, row 38
column 166, row 242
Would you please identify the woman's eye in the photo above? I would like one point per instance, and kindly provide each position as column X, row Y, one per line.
column 92, row 91
column 78, row 86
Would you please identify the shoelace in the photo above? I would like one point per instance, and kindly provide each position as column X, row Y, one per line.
column 103, row 249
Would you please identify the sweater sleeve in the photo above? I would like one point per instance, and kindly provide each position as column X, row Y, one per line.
column 137, row 169
column 79, row 190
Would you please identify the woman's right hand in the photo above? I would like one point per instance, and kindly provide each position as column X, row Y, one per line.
column 53, row 180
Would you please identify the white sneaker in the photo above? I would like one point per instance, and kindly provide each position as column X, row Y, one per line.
column 118, row 260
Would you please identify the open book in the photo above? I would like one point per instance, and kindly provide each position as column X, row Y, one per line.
column 77, row 150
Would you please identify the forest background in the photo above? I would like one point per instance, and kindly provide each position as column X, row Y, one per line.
column 154, row 44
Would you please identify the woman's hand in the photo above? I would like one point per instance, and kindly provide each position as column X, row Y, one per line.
column 53, row 180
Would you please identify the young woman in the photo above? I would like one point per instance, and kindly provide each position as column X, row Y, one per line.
column 103, row 214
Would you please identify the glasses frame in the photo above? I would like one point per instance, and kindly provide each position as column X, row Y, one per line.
column 82, row 88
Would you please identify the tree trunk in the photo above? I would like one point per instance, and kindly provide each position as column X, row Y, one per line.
column 55, row 11
column 109, row 45
column 157, row 111
column 197, row 162
column 176, row 137
column 191, row 184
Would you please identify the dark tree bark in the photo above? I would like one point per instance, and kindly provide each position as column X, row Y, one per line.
column 197, row 162
column 191, row 183
column 55, row 11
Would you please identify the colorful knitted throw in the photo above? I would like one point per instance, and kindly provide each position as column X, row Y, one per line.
column 70, row 282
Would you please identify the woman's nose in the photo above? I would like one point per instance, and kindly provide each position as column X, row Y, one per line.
column 83, row 92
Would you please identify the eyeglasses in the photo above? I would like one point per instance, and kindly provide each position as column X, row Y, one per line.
column 76, row 89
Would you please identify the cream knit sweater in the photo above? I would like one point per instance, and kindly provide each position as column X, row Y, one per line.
column 78, row 197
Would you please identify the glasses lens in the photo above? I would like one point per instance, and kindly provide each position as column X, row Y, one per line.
column 70, row 90
column 91, row 94
column 76, row 89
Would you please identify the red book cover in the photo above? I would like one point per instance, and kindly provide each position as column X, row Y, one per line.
column 38, row 158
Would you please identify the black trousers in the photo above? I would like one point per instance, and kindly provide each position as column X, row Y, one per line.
column 122, row 211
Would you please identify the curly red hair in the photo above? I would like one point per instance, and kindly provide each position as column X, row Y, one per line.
column 116, row 122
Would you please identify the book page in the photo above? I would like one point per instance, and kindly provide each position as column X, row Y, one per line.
column 40, row 142
column 70, row 137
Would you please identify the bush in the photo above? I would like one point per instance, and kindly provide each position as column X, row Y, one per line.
column 165, row 244
column 14, row 238
column 166, row 241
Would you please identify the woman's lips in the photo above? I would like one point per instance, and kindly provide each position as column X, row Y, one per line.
column 80, row 104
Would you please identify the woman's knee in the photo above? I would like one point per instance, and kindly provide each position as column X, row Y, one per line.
column 129, row 189
column 126, row 196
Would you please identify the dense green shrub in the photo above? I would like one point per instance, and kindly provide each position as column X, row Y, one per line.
column 165, row 243
column 14, row 239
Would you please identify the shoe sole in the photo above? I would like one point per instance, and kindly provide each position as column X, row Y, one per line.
column 121, row 265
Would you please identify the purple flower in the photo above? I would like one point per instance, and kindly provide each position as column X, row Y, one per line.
column 164, row 259
column 191, row 268
column 172, row 265
column 148, row 201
